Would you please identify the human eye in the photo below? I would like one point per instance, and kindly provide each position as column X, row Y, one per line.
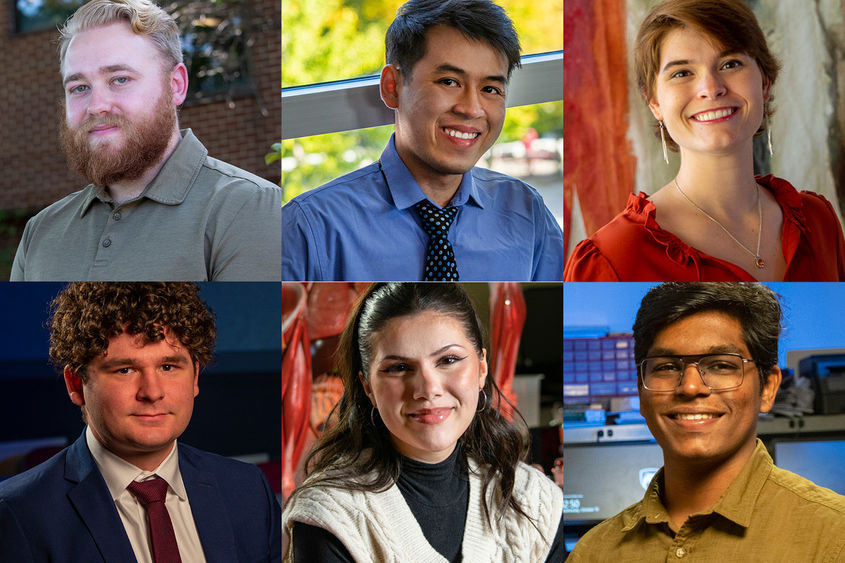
column 448, row 82
column 683, row 73
column 493, row 90
column 732, row 63
column 77, row 89
column 123, row 371
column 396, row 369
column 450, row 359
column 722, row 365
column 664, row 366
column 120, row 80
column 168, row 367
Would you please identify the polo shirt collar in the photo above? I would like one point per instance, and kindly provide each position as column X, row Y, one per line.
column 405, row 190
column 736, row 504
column 172, row 183
column 119, row 473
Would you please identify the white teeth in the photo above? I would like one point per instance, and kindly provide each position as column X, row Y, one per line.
column 696, row 416
column 459, row 135
column 711, row 115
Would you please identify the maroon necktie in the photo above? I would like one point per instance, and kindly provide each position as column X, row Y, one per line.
column 152, row 494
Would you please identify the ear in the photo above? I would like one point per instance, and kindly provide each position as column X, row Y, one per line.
column 482, row 375
column 196, row 378
column 367, row 388
column 75, row 387
column 767, row 87
column 655, row 109
column 389, row 86
column 770, row 389
column 178, row 84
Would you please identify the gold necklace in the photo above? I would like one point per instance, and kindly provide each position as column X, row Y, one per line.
column 759, row 262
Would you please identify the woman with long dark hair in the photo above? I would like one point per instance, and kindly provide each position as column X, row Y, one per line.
column 706, row 73
column 417, row 463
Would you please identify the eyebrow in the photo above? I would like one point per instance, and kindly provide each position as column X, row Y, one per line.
column 720, row 349
column 446, row 67
column 682, row 62
column 435, row 353
column 102, row 70
column 129, row 362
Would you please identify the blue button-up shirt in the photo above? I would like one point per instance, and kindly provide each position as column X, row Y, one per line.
column 363, row 227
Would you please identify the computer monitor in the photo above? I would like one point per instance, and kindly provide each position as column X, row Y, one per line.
column 820, row 461
column 600, row 480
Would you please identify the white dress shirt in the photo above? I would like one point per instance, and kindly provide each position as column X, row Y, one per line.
column 119, row 473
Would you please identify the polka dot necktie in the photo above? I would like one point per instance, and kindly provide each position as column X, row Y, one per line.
column 439, row 256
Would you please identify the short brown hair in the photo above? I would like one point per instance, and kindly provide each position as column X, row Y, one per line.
column 730, row 23
column 86, row 315
column 144, row 17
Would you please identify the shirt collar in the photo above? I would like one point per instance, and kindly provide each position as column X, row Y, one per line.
column 736, row 503
column 172, row 183
column 119, row 473
column 405, row 190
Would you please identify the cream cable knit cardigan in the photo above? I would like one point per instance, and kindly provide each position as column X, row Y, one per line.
column 380, row 526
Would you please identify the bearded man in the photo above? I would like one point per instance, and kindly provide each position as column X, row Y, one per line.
column 158, row 207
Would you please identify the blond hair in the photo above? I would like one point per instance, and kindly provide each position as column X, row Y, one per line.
column 144, row 17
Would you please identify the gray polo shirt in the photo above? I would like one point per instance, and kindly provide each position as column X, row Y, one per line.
column 200, row 219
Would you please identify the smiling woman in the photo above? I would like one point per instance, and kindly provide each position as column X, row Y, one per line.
column 706, row 73
column 417, row 447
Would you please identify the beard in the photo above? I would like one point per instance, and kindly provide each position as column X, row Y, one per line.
column 104, row 163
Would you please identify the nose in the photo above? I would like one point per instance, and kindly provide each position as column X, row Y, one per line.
column 427, row 384
column 99, row 102
column 149, row 386
column 692, row 382
column 469, row 104
column 711, row 85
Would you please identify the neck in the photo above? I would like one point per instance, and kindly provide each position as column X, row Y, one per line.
column 125, row 190
column 439, row 187
column 692, row 487
column 722, row 184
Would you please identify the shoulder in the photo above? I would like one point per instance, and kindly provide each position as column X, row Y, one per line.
column 531, row 481
column 347, row 186
column 225, row 468
column 34, row 485
column 69, row 206
column 813, row 206
column 503, row 188
column 606, row 535
column 804, row 495
column 231, row 176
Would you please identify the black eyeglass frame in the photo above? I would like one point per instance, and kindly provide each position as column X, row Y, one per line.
column 691, row 359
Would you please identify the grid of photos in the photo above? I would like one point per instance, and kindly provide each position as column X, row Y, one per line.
column 458, row 280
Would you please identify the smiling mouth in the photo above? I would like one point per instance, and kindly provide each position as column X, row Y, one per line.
column 714, row 114
column 459, row 134
column 431, row 416
column 694, row 416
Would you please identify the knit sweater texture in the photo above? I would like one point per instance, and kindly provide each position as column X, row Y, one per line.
column 381, row 527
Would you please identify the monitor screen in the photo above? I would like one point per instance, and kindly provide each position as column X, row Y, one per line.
column 602, row 480
column 817, row 461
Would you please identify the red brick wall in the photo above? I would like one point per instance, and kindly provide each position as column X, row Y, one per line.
column 33, row 172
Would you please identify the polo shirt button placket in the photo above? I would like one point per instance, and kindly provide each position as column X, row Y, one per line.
column 107, row 243
column 116, row 216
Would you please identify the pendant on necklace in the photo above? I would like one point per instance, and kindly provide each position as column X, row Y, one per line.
column 760, row 263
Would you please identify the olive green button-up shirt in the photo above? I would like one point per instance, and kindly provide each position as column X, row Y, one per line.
column 767, row 514
column 200, row 219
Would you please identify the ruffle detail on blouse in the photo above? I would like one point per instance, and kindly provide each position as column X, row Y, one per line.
column 642, row 211
column 788, row 198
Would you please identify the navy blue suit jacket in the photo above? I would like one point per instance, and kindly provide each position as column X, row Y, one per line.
column 62, row 511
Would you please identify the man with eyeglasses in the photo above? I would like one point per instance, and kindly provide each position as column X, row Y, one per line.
column 707, row 366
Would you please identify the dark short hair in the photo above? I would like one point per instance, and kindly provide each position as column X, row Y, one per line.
column 729, row 23
column 85, row 315
column 482, row 20
column 754, row 305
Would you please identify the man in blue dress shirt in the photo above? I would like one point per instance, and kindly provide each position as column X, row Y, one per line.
column 448, row 68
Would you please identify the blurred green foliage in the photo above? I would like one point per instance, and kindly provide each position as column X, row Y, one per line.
column 338, row 39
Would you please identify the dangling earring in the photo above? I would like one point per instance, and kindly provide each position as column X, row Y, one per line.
column 483, row 401
column 372, row 412
column 769, row 137
column 663, row 142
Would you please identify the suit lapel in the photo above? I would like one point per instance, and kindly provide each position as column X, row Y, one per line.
column 209, row 510
column 91, row 499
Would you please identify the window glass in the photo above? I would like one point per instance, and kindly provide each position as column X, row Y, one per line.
column 339, row 39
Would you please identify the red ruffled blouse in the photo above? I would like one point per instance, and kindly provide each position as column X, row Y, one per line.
column 633, row 247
